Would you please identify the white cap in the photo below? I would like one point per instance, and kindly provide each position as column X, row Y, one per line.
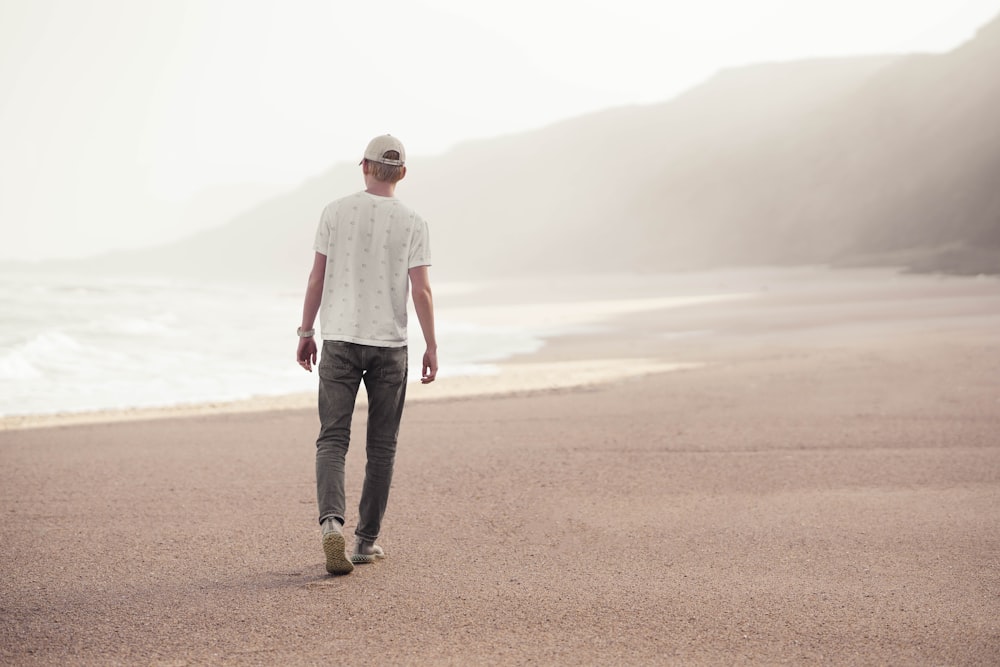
column 379, row 146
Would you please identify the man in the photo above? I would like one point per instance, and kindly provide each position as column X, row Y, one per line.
column 370, row 248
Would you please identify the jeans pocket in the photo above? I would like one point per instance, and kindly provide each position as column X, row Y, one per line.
column 335, row 361
column 393, row 366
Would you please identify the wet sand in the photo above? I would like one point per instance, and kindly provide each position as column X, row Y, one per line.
column 819, row 483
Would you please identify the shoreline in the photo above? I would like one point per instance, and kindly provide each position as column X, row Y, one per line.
column 566, row 306
column 510, row 379
column 603, row 329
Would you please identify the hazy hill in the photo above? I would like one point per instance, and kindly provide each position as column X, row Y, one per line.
column 905, row 167
column 879, row 159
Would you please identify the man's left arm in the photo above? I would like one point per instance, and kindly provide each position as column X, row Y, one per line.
column 306, row 353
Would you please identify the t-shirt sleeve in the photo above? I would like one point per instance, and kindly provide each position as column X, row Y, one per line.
column 322, row 242
column 420, row 246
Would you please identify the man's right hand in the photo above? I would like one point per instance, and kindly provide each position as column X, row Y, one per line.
column 430, row 367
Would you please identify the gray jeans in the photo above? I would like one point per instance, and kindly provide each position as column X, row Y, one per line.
column 342, row 368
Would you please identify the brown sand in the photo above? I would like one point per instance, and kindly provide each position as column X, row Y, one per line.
column 825, row 489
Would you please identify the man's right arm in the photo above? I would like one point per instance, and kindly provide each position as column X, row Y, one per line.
column 423, row 303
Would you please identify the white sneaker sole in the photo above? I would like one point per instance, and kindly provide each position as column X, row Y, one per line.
column 336, row 558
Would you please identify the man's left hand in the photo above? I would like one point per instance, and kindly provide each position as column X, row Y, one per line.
column 306, row 354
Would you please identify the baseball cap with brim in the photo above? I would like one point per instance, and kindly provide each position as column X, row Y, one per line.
column 379, row 146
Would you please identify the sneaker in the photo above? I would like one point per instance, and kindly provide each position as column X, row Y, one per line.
column 366, row 552
column 334, row 547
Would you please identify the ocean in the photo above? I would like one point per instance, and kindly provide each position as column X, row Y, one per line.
column 77, row 344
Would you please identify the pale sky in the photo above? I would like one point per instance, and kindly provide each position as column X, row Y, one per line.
column 116, row 114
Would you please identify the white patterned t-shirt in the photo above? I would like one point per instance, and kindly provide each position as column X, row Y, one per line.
column 370, row 243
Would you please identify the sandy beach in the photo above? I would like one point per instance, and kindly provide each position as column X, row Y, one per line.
column 808, row 474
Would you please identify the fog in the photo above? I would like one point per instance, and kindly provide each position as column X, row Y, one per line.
column 144, row 231
column 127, row 125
